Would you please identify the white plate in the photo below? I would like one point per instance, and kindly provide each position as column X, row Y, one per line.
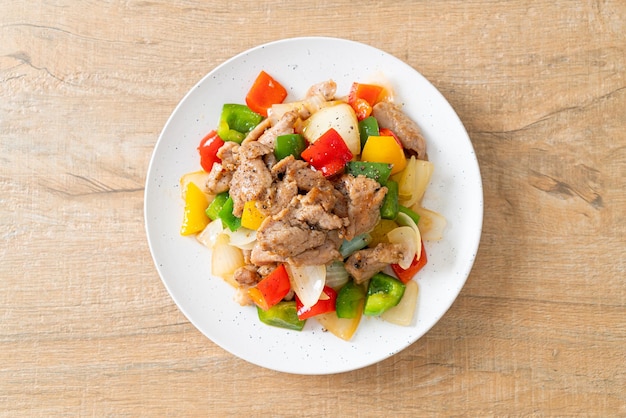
column 184, row 265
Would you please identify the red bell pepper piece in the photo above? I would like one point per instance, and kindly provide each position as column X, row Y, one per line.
column 272, row 289
column 363, row 97
column 329, row 154
column 325, row 304
column 208, row 148
column 406, row 275
column 264, row 93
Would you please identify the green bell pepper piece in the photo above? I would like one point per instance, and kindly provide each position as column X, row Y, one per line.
column 410, row 212
column 350, row 296
column 283, row 314
column 229, row 220
column 290, row 144
column 360, row 241
column 383, row 292
column 368, row 127
column 216, row 205
column 376, row 171
column 389, row 208
column 236, row 121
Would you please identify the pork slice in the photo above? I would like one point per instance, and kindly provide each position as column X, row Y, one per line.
column 266, row 269
column 303, row 232
column 284, row 126
column 219, row 179
column 301, row 172
column 250, row 181
column 364, row 197
column 247, row 276
column 320, row 255
column 314, row 214
column 252, row 150
column 390, row 116
column 222, row 173
column 258, row 130
column 306, row 178
column 288, row 237
column 279, row 197
column 261, row 257
column 326, row 89
column 365, row 263
column 228, row 153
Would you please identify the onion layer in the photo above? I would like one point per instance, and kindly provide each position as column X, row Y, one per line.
column 405, row 220
column 405, row 236
column 403, row 312
column 308, row 282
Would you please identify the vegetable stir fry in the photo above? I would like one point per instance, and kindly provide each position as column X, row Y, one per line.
column 313, row 208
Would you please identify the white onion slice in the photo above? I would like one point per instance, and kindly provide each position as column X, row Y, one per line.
column 413, row 180
column 424, row 171
column 431, row 224
column 225, row 260
column 336, row 275
column 308, row 282
column 405, row 236
column 208, row 236
column 342, row 118
column 403, row 312
column 242, row 238
column 405, row 220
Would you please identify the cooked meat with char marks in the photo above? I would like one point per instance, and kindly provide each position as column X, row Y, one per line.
column 294, row 176
column 247, row 276
column 364, row 198
column 325, row 89
column 310, row 209
column 228, row 154
column 322, row 254
column 301, row 172
column 266, row 269
column 261, row 257
column 251, row 150
column 258, row 130
column 252, row 178
column 390, row 116
column 365, row 263
column 287, row 237
column 284, row 126
column 302, row 231
column 222, row 173
column 219, row 179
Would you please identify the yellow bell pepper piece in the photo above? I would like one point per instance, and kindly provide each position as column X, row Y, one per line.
column 194, row 218
column 384, row 149
column 251, row 217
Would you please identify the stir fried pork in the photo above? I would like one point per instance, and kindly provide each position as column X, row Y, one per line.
column 390, row 116
column 284, row 126
column 325, row 89
column 307, row 215
column 222, row 173
column 364, row 196
column 246, row 276
column 303, row 226
column 252, row 178
column 363, row 264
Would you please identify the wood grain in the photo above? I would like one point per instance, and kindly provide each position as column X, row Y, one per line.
column 87, row 328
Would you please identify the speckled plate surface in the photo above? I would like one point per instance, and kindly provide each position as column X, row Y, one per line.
column 184, row 265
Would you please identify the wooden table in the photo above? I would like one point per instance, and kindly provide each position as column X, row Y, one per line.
column 86, row 325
